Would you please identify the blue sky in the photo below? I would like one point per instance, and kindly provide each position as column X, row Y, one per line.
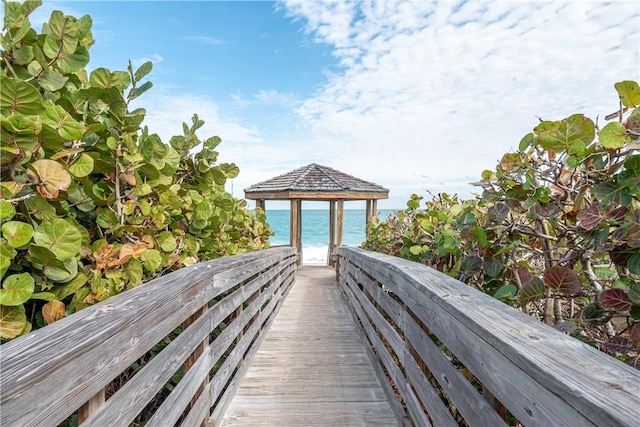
column 414, row 95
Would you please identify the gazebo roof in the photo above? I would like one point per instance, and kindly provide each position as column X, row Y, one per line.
column 316, row 182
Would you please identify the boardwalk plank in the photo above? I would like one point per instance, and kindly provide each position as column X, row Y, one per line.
column 312, row 368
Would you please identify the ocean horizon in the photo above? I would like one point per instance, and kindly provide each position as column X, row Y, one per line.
column 315, row 230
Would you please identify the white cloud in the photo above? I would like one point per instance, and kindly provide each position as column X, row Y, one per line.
column 443, row 89
column 213, row 41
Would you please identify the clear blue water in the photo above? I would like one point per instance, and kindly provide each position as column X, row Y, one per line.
column 315, row 230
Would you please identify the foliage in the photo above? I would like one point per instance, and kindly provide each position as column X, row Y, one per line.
column 91, row 202
column 556, row 231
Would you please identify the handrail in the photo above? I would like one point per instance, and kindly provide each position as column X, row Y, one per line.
column 50, row 373
column 453, row 352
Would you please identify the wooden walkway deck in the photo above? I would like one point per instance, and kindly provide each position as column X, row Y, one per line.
column 312, row 368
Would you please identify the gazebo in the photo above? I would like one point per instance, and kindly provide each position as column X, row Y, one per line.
column 317, row 183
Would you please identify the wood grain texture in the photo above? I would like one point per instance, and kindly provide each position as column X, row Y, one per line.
column 542, row 376
column 312, row 367
column 61, row 366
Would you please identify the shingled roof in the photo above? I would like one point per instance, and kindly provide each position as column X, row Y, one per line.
column 316, row 182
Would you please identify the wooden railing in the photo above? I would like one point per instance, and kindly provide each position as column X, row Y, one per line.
column 451, row 352
column 218, row 307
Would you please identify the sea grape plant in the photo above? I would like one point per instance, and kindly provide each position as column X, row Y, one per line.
column 91, row 202
column 555, row 232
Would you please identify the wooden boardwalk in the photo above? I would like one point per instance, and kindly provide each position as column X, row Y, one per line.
column 312, row 368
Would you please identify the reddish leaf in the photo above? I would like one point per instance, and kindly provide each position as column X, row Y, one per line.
column 591, row 217
column 618, row 213
column 532, row 290
column 617, row 345
column 615, row 299
column 620, row 254
column 563, row 279
column 522, row 272
column 635, row 333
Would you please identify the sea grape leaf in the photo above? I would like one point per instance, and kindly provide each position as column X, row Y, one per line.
column 74, row 62
column 7, row 211
column 532, row 290
column 53, row 310
column 60, row 120
column 52, row 80
column 82, row 166
column 506, row 292
column 633, row 263
column 63, row 29
column 613, row 135
column 629, row 93
column 103, row 78
column 19, row 97
column 612, row 193
column 60, row 237
column 143, row 70
column 62, row 275
column 634, row 292
column 562, row 279
column 12, row 321
column 17, row 233
column 559, row 135
column 16, row 289
column 591, row 217
column 63, row 291
column 493, row 267
column 43, row 257
column 151, row 259
column 615, row 299
column 49, row 176
column 166, row 241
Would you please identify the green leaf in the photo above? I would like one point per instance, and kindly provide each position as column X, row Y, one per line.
column 558, row 136
column 506, row 292
column 23, row 55
column 63, row 291
column 151, row 259
column 143, row 70
column 103, row 78
column 16, row 289
column 612, row 193
column 74, row 62
column 166, row 241
column 20, row 97
column 525, row 142
column 45, row 296
column 613, row 135
column 481, row 235
column 7, row 211
column 633, row 263
column 629, row 93
column 17, row 233
column 52, row 80
column 82, row 166
column 415, row 249
column 62, row 275
column 63, row 30
column 13, row 320
column 60, row 237
column 532, row 290
column 139, row 90
column 60, row 120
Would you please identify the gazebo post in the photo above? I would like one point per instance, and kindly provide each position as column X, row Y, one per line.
column 340, row 221
column 332, row 232
column 260, row 204
column 294, row 228
column 299, row 232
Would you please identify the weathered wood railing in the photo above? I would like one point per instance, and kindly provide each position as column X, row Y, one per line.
column 65, row 367
column 453, row 352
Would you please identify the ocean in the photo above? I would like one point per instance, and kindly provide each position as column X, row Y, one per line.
column 315, row 230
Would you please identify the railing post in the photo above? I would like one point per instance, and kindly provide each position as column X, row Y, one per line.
column 91, row 406
column 197, row 352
